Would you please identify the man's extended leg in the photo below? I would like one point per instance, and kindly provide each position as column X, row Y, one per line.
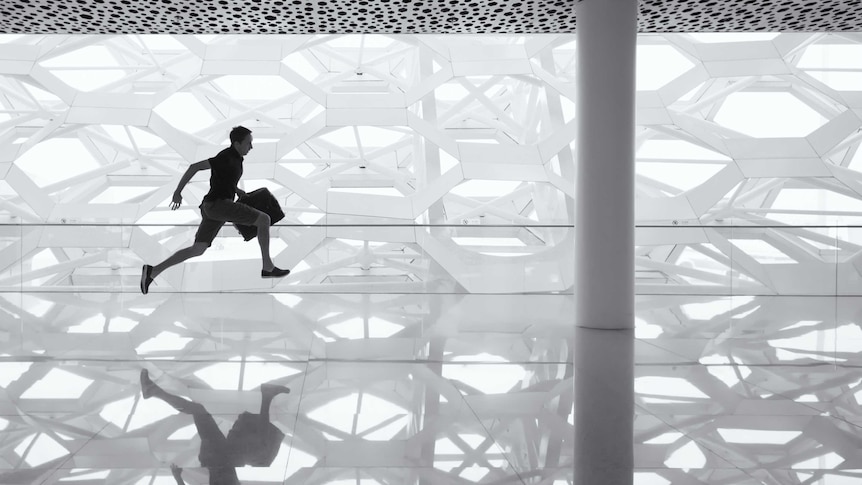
column 267, row 393
column 215, row 451
column 148, row 273
column 151, row 389
column 206, row 233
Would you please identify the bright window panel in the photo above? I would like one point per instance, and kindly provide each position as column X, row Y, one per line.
column 11, row 371
column 827, row 460
column 150, row 411
column 832, row 56
column 485, row 378
column 474, row 473
column 299, row 64
column 657, row 65
column 56, row 159
column 255, row 87
column 677, row 150
column 644, row 330
column 486, row 188
column 83, row 474
column 668, row 386
column 768, row 115
column 488, row 241
column 117, row 412
column 688, row 456
column 94, row 324
column 762, row 251
column 119, row 195
column 757, row 436
column 163, row 342
column 222, row 376
column 338, row 413
column 89, row 80
column 374, row 411
column 185, row 112
column 841, row 81
column 679, row 175
column 43, row 449
column 257, row 372
column 815, row 199
column 89, row 56
column 664, row 439
column 58, row 384
column 388, row 191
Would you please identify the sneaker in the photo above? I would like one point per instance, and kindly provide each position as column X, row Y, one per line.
column 146, row 384
column 146, row 271
column 274, row 273
column 274, row 389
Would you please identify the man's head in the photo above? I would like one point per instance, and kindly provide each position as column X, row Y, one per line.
column 240, row 139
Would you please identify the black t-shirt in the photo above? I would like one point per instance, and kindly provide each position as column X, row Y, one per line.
column 226, row 169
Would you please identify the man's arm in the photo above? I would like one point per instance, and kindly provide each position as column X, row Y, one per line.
column 190, row 172
column 177, row 472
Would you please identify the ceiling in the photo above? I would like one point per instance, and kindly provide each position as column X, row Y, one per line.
column 406, row 16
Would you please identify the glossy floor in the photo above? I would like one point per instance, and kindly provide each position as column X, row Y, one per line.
column 418, row 388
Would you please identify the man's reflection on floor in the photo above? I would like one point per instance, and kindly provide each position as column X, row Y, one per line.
column 252, row 440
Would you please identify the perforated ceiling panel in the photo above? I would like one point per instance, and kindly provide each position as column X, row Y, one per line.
column 406, row 16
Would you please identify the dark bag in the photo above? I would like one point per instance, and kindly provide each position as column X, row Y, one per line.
column 262, row 200
column 256, row 440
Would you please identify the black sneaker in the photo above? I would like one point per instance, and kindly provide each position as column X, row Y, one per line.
column 274, row 273
column 146, row 384
column 146, row 271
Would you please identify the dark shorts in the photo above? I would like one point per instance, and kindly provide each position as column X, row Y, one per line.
column 216, row 212
column 215, row 450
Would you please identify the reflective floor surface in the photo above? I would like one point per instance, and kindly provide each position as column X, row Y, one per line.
column 417, row 389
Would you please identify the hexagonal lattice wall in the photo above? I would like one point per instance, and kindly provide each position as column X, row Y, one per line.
column 424, row 163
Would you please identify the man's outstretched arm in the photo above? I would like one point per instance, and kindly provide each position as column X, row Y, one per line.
column 177, row 472
column 190, row 172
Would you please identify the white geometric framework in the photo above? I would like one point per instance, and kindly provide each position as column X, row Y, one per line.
column 387, row 131
column 761, row 137
column 410, row 136
column 467, row 148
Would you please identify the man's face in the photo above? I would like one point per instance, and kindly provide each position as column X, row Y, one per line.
column 244, row 146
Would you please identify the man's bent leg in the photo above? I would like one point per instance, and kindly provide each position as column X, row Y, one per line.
column 262, row 223
column 269, row 270
column 267, row 393
column 243, row 214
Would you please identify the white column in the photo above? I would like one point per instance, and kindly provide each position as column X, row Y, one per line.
column 604, row 249
column 604, row 227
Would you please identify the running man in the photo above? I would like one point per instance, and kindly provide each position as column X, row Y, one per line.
column 218, row 207
column 218, row 454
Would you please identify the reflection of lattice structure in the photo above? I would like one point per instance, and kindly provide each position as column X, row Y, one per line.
column 396, row 388
column 710, row 367
column 446, row 388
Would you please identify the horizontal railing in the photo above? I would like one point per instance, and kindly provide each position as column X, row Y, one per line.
column 432, row 258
